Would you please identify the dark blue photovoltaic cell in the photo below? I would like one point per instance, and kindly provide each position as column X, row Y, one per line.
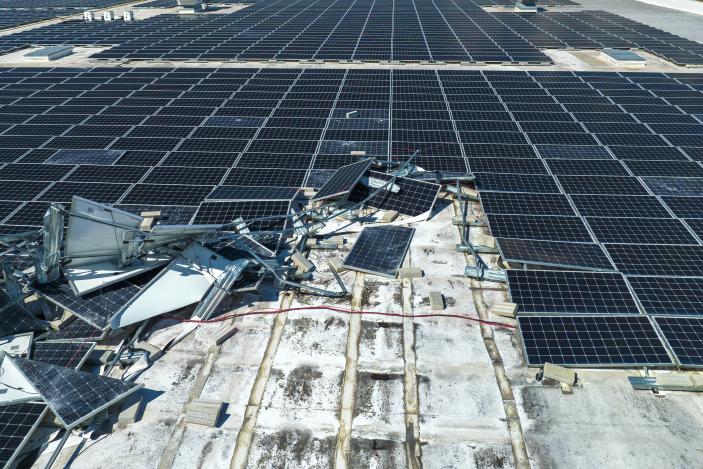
column 592, row 341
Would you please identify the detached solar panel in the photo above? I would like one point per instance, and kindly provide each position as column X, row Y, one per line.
column 380, row 250
column 96, row 307
column 72, row 395
column 685, row 337
column 561, row 292
column 343, row 180
column 414, row 197
column 582, row 256
column 592, row 341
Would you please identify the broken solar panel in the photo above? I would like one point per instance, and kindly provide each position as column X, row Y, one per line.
column 380, row 250
column 16, row 319
column 685, row 337
column 17, row 423
column 582, row 256
column 561, row 292
column 94, row 157
column 343, row 180
column 414, row 197
column 674, row 185
column 669, row 295
column 73, row 329
column 72, row 395
column 95, row 308
column 66, row 354
column 592, row 341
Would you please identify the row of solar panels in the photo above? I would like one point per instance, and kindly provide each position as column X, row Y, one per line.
column 406, row 30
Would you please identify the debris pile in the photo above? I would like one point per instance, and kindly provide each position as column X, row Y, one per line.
column 84, row 289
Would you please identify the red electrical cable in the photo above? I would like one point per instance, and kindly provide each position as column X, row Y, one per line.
column 263, row 312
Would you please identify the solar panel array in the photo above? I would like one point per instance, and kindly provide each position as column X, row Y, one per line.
column 363, row 30
column 590, row 171
column 15, row 18
column 558, row 156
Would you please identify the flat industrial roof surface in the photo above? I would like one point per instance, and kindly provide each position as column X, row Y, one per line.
column 319, row 389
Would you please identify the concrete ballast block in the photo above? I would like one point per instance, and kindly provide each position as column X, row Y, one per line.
column 130, row 408
column 410, row 272
column 224, row 335
column 507, row 310
column 204, row 412
column 436, row 301
column 336, row 265
column 559, row 373
column 300, row 261
column 389, row 216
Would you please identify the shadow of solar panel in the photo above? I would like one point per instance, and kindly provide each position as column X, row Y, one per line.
column 582, row 256
column 380, row 250
column 559, row 292
column 17, row 424
column 685, row 338
column 343, row 180
column 592, row 341
column 65, row 354
column 669, row 295
column 73, row 396
column 414, row 197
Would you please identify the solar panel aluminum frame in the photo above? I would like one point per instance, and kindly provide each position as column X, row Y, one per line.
column 10, row 462
column 83, row 359
column 353, row 183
